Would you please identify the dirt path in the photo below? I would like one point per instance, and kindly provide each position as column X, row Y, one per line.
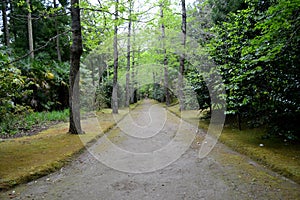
column 142, row 160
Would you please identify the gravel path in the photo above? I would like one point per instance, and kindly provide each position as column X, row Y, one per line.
column 140, row 160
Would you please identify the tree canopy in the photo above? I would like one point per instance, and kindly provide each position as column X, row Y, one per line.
column 157, row 49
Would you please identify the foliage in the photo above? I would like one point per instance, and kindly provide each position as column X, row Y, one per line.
column 28, row 87
column 221, row 9
column 19, row 123
column 47, row 23
column 253, row 43
column 257, row 51
column 12, row 87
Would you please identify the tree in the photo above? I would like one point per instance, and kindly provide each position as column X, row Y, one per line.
column 127, row 89
column 57, row 34
column 256, row 50
column 182, row 57
column 133, row 83
column 29, row 29
column 166, row 73
column 116, row 58
column 76, row 51
column 5, row 23
column 221, row 9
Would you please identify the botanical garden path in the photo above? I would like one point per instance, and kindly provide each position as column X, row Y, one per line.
column 152, row 154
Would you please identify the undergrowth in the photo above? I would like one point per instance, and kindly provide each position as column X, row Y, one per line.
column 13, row 124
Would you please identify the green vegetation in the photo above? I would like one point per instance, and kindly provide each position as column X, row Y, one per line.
column 25, row 122
column 256, row 51
column 241, row 52
column 274, row 153
column 31, row 157
column 252, row 45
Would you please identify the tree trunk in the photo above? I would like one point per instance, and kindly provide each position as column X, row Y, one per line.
column 12, row 19
column 57, row 35
column 5, row 24
column 133, row 83
column 182, row 58
column 76, row 51
column 93, row 72
column 166, row 73
column 116, row 55
column 127, row 92
column 30, row 35
column 101, row 69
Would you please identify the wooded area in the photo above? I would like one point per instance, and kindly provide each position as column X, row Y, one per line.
column 167, row 50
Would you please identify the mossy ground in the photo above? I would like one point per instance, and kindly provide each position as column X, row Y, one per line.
column 273, row 153
column 26, row 158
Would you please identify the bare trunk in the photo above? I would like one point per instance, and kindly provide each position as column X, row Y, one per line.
column 12, row 19
column 30, row 35
column 5, row 24
column 182, row 59
column 76, row 51
column 115, row 79
column 107, row 71
column 127, row 94
column 101, row 69
column 166, row 73
column 93, row 72
column 133, row 85
column 57, row 34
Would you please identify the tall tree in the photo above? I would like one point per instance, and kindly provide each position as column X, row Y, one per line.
column 76, row 52
column 116, row 58
column 29, row 29
column 166, row 73
column 57, row 34
column 5, row 23
column 133, row 82
column 127, row 89
column 182, row 58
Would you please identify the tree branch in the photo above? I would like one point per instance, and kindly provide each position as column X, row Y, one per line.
column 37, row 49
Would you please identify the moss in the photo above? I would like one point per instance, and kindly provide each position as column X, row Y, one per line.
column 27, row 158
column 242, row 169
column 276, row 155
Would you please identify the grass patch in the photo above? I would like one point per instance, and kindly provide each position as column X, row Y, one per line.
column 27, row 158
column 273, row 153
column 18, row 124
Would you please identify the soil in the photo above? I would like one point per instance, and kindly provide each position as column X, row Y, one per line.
column 103, row 173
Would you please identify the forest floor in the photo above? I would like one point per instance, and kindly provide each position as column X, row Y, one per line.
column 139, row 159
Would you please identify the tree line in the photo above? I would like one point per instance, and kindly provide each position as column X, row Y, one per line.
column 252, row 45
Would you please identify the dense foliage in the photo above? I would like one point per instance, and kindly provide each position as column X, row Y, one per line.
column 39, row 84
column 257, row 51
column 253, row 45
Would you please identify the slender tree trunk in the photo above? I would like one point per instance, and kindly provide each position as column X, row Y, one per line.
column 93, row 72
column 5, row 24
column 12, row 19
column 116, row 55
column 107, row 70
column 101, row 69
column 133, row 84
column 166, row 73
column 57, row 34
column 30, row 35
column 154, row 85
column 138, row 85
column 182, row 58
column 127, row 92
column 76, row 51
